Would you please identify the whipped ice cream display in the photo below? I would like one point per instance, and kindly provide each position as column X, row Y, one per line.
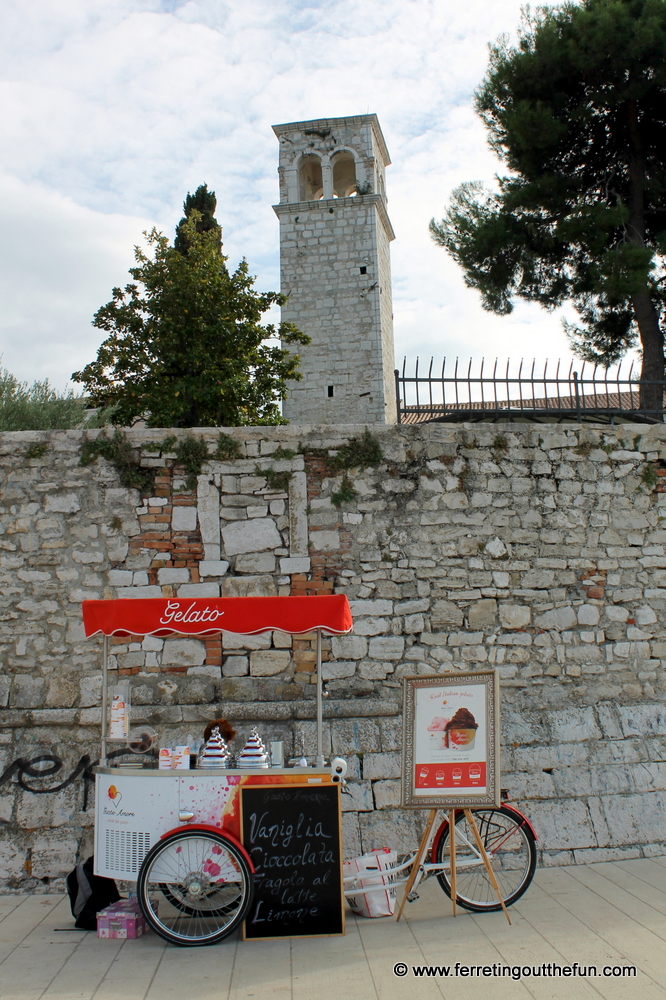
column 253, row 753
column 214, row 752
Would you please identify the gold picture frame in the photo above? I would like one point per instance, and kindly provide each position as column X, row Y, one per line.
column 451, row 761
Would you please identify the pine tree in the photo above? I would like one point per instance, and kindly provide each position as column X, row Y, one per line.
column 204, row 202
column 577, row 113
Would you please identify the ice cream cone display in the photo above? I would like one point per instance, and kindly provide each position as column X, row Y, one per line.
column 461, row 730
column 253, row 753
column 214, row 752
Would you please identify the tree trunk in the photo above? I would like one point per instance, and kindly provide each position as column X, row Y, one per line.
column 645, row 313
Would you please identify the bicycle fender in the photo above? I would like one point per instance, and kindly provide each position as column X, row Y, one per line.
column 526, row 820
column 443, row 827
column 213, row 829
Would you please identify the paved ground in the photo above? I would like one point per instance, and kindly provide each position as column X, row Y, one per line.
column 605, row 915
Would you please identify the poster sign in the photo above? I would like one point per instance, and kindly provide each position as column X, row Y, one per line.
column 450, row 753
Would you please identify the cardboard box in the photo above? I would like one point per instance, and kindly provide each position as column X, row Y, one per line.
column 123, row 919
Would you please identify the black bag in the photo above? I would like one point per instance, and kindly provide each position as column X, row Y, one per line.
column 88, row 894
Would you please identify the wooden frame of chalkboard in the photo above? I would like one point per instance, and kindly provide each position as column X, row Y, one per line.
column 293, row 833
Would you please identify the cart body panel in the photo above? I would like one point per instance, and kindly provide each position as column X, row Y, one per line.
column 134, row 809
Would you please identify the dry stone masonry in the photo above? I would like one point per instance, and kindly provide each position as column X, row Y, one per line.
column 538, row 550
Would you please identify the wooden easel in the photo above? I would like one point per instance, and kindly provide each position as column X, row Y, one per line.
column 452, row 856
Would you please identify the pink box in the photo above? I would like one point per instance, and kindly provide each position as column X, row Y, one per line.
column 123, row 919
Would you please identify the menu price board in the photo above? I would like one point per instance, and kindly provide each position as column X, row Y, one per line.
column 450, row 753
column 293, row 835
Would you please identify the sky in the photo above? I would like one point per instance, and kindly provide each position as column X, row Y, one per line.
column 114, row 109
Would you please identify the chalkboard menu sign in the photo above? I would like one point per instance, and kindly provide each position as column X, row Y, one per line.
column 293, row 835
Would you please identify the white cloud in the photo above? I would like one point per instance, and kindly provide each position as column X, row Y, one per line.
column 114, row 110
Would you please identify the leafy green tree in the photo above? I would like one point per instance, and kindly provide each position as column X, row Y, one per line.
column 186, row 347
column 37, row 407
column 577, row 113
column 204, row 202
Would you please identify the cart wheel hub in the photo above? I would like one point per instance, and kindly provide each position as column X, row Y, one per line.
column 196, row 885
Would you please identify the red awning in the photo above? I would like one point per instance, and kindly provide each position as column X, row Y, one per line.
column 208, row 616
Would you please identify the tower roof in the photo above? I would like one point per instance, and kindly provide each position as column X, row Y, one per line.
column 320, row 124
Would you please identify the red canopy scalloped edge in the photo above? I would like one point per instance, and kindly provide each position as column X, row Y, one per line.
column 211, row 615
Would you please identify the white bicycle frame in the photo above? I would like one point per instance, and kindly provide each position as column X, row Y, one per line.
column 364, row 882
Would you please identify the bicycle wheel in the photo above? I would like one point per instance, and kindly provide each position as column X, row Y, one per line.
column 511, row 848
column 206, row 886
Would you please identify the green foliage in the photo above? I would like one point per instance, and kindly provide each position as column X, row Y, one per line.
column 204, row 203
column 119, row 452
column 36, row 450
column 185, row 344
column 345, row 494
column 283, row 453
column 227, row 448
column 584, row 448
column 191, row 453
column 37, row 407
column 649, row 477
column 358, row 453
column 278, row 482
column 500, row 443
column 577, row 113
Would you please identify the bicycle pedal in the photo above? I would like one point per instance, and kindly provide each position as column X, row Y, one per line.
column 412, row 897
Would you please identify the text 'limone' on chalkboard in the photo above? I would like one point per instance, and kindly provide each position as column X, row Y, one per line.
column 293, row 835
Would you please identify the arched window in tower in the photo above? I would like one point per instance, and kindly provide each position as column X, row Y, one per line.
column 344, row 174
column 310, row 183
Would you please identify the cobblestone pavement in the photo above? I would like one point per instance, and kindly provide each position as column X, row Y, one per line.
column 605, row 915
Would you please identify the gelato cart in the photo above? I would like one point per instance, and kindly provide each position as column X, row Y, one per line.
column 197, row 854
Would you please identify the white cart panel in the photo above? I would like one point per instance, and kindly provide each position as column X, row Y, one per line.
column 131, row 814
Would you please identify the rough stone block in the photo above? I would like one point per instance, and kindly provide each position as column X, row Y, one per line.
column 574, row 725
column 199, row 590
column 354, row 736
column 255, row 562
column 381, row 765
column 588, row 614
column 27, row 691
column 171, row 575
column 337, row 670
column 266, row 662
column 396, row 828
column 643, row 720
column 514, row 615
column 445, row 614
column 325, row 541
column 357, row 797
column 62, row 503
column 386, row 793
column 373, row 608
column 386, row 647
column 249, row 586
column 256, row 535
column 558, row 619
column 483, row 612
column 213, row 567
column 294, row 564
column 184, row 518
column 349, row 647
column 236, row 666
column 183, row 653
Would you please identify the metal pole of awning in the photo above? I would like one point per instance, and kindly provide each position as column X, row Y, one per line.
column 105, row 678
column 320, row 707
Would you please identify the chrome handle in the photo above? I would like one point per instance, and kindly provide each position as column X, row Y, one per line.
column 185, row 817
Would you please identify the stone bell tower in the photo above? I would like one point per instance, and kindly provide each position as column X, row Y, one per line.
column 336, row 269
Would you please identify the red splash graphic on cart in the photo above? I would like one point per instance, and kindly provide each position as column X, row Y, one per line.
column 463, row 775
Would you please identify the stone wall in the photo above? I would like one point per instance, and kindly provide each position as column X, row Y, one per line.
column 534, row 549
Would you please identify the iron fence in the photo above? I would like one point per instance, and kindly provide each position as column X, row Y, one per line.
column 462, row 392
